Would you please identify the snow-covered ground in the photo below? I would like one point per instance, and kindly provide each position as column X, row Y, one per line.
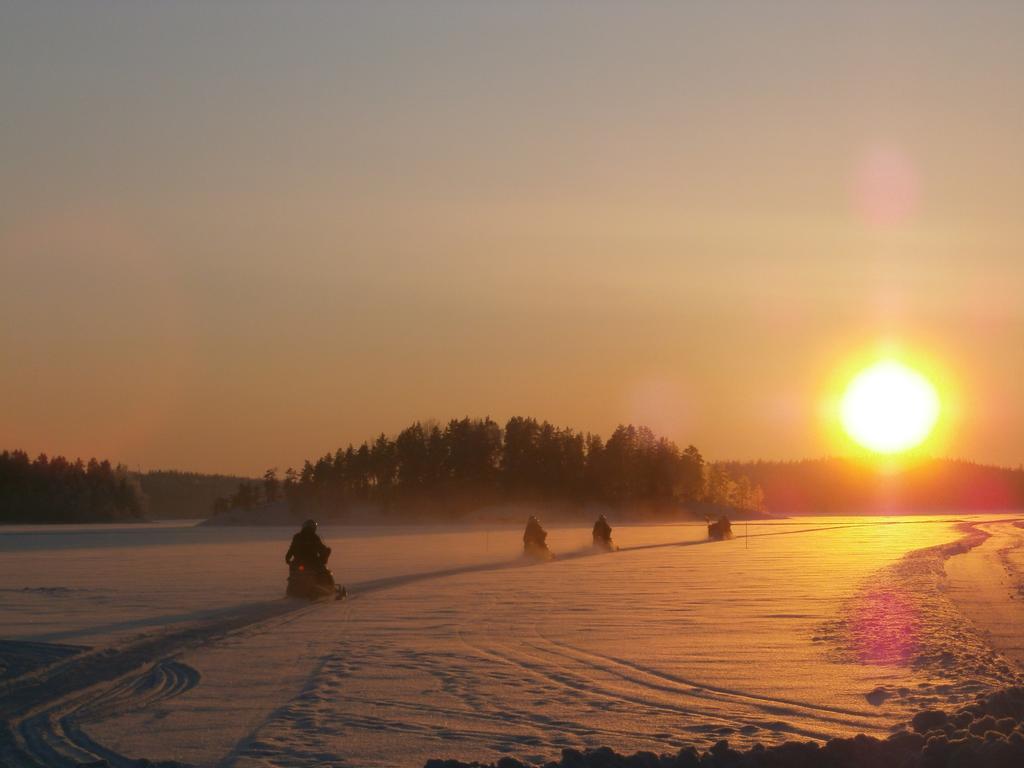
column 987, row 584
column 173, row 642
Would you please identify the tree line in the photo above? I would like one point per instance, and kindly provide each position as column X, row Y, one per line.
column 170, row 494
column 445, row 471
column 56, row 490
column 847, row 486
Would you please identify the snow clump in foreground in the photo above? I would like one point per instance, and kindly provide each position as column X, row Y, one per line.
column 989, row 733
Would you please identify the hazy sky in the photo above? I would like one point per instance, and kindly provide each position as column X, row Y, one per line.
column 236, row 235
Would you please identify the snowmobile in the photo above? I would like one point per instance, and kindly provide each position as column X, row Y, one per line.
column 535, row 541
column 720, row 530
column 603, row 536
column 538, row 550
column 312, row 583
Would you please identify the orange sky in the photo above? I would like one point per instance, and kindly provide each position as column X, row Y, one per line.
column 233, row 237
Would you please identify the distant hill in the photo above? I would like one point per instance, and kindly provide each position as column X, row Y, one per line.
column 844, row 486
column 170, row 495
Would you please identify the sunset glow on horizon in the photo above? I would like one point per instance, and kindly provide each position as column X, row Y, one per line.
column 235, row 236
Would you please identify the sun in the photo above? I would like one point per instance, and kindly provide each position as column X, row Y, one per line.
column 889, row 408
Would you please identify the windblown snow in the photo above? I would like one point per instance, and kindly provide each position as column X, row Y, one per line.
column 175, row 643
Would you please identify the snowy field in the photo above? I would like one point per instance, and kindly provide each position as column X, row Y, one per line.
column 174, row 642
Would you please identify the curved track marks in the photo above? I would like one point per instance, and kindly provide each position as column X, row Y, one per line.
column 51, row 689
column 652, row 679
column 42, row 708
column 19, row 657
column 54, row 736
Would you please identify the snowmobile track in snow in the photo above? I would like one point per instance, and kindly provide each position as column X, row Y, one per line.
column 54, row 736
column 50, row 689
column 41, row 709
column 18, row 657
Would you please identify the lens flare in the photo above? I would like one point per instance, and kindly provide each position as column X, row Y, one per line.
column 889, row 408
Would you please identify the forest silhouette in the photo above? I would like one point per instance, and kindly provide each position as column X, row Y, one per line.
column 444, row 472
column 57, row 490
column 429, row 472
column 432, row 472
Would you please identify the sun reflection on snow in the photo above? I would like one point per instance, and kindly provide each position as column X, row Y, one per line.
column 884, row 627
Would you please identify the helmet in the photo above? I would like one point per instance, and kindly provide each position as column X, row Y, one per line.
column 309, row 525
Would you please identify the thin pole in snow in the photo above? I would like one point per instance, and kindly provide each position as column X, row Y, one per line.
column 746, row 537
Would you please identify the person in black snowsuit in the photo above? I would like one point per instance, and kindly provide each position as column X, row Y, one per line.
column 308, row 549
column 602, row 531
column 720, row 530
column 534, row 535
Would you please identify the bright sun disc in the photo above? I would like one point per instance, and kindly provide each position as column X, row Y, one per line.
column 889, row 408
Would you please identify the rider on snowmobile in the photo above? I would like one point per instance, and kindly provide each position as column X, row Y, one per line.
column 308, row 548
column 534, row 535
column 602, row 531
column 720, row 530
